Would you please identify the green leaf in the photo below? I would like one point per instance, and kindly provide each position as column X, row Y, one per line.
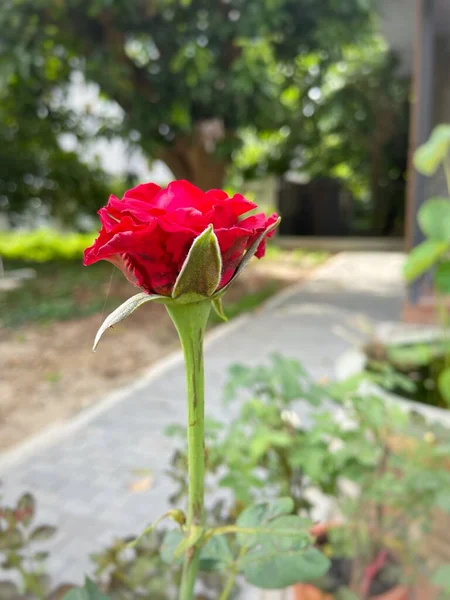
column 434, row 219
column 441, row 577
column 27, row 506
column 444, row 384
column 261, row 514
column 274, row 569
column 422, row 257
column 443, row 501
column 249, row 254
column 442, row 277
column 11, row 539
column 201, row 272
column 42, row 533
column 122, row 312
column 218, row 307
column 430, row 155
column 285, row 532
column 411, row 356
column 169, row 545
column 216, row 555
column 41, row 556
column 288, row 372
column 88, row 592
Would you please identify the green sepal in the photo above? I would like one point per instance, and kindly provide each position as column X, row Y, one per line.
column 201, row 272
column 247, row 256
column 122, row 312
column 218, row 307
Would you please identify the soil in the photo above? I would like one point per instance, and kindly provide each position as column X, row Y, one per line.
column 48, row 371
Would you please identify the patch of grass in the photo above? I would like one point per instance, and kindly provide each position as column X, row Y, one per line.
column 60, row 291
column 247, row 303
column 42, row 245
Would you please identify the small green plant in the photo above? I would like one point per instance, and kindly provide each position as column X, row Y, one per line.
column 394, row 465
column 21, row 553
column 265, row 452
column 433, row 254
column 434, row 215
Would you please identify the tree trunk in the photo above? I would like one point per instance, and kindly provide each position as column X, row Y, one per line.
column 189, row 159
column 383, row 131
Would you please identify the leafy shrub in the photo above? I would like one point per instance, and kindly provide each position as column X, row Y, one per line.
column 21, row 553
column 43, row 245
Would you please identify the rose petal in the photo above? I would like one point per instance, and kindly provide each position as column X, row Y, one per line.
column 145, row 192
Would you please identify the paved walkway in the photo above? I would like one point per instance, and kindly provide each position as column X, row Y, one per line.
column 81, row 471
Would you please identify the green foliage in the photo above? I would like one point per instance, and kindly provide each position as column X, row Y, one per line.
column 272, row 547
column 88, row 592
column 137, row 572
column 444, row 384
column 347, row 436
column 434, row 219
column 279, row 553
column 42, row 245
column 264, row 450
column 416, row 370
column 347, row 120
column 216, row 555
column 441, row 578
column 21, row 552
column 434, row 152
column 186, row 76
column 270, row 568
column 423, row 257
column 433, row 216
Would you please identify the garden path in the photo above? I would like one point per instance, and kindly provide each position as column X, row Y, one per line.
column 84, row 472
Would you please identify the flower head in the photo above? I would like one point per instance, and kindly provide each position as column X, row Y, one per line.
column 151, row 231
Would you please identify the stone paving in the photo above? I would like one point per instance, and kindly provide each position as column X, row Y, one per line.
column 81, row 471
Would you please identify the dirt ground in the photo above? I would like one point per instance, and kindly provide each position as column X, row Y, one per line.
column 49, row 373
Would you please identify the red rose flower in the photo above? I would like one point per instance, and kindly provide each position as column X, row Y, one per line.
column 149, row 233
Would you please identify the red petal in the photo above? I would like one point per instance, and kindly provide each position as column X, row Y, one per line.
column 144, row 192
column 182, row 194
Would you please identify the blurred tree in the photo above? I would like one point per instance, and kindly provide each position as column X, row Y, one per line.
column 187, row 74
column 36, row 175
column 351, row 122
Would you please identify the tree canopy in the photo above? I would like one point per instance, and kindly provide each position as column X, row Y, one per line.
column 188, row 75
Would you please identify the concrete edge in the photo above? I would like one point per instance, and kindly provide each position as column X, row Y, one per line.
column 60, row 429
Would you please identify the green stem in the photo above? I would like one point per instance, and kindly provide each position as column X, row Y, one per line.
column 229, row 585
column 190, row 321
